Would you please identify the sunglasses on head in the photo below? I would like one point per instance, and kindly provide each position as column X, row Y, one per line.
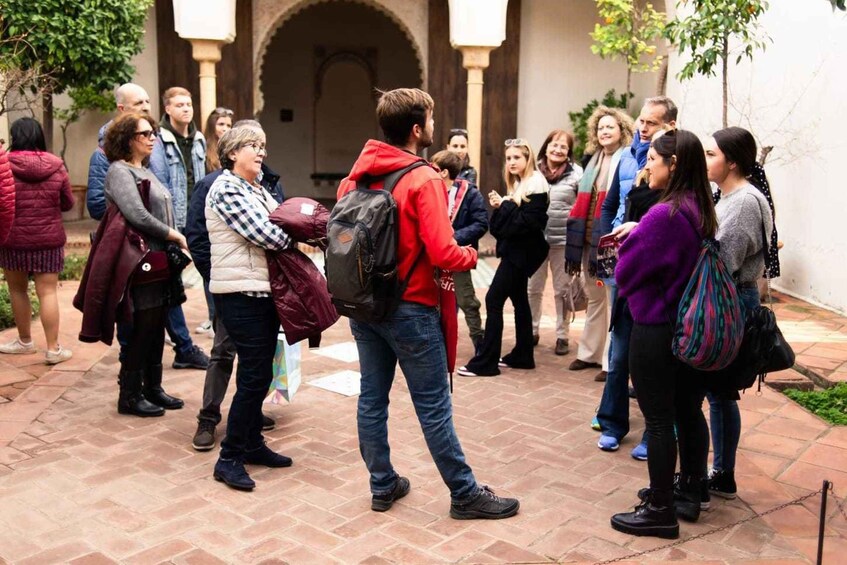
column 221, row 111
column 517, row 142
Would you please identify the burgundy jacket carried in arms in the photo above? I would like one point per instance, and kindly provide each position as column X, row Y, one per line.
column 42, row 193
column 299, row 290
column 103, row 296
column 7, row 196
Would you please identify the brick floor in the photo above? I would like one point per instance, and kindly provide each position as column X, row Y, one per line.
column 81, row 484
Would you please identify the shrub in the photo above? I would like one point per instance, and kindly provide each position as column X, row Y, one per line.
column 829, row 404
column 74, row 267
column 7, row 320
column 579, row 120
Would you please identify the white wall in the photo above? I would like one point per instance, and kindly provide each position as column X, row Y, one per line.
column 82, row 135
column 558, row 72
column 793, row 97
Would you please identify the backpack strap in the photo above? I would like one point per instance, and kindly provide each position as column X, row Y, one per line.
column 391, row 181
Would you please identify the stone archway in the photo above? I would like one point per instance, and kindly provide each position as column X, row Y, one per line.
column 411, row 17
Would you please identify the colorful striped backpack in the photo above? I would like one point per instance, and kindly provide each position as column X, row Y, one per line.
column 710, row 320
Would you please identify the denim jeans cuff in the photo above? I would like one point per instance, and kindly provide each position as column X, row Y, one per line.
column 462, row 498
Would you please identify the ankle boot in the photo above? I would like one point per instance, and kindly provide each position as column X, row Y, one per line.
column 654, row 517
column 687, row 495
column 131, row 400
column 154, row 392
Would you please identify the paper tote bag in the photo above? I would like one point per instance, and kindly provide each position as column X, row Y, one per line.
column 287, row 376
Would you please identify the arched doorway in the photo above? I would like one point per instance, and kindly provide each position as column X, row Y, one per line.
column 318, row 81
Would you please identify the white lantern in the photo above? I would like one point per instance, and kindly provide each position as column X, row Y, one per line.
column 205, row 19
column 479, row 23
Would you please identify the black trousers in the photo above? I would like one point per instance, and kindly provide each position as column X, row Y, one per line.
column 668, row 392
column 509, row 283
column 147, row 339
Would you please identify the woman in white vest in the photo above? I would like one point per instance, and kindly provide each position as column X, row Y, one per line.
column 237, row 217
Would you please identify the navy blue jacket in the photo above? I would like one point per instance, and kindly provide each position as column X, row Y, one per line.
column 471, row 220
column 195, row 226
column 632, row 161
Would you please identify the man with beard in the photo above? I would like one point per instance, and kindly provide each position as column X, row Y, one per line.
column 412, row 335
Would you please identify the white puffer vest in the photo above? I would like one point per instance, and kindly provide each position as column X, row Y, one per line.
column 237, row 264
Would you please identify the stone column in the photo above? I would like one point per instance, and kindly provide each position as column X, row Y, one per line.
column 207, row 52
column 475, row 60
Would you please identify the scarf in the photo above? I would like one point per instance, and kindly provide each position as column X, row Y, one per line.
column 577, row 219
column 555, row 175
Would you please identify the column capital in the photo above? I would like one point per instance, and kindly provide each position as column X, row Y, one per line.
column 475, row 57
column 206, row 50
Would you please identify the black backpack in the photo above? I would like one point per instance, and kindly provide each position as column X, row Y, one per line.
column 361, row 255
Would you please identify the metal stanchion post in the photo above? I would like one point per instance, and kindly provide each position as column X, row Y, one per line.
column 826, row 486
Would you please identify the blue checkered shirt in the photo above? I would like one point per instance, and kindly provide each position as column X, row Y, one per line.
column 239, row 204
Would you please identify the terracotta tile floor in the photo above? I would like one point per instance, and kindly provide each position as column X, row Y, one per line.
column 80, row 484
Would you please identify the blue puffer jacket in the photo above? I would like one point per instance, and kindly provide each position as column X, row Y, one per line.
column 195, row 227
column 167, row 164
column 471, row 220
column 615, row 203
column 98, row 166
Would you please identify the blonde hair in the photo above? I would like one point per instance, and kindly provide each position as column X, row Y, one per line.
column 172, row 93
column 624, row 122
column 518, row 194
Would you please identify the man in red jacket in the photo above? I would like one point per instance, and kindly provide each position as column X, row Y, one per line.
column 412, row 335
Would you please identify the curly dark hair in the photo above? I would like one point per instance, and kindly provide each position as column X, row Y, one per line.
column 120, row 134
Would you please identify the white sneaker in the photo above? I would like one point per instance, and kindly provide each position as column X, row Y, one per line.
column 204, row 328
column 17, row 347
column 61, row 354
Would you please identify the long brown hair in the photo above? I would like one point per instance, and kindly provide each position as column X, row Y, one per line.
column 689, row 176
column 213, row 163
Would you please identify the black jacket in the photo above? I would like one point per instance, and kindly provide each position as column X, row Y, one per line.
column 195, row 224
column 520, row 232
column 471, row 220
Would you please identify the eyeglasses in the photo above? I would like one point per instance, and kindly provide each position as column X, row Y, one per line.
column 258, row 148
column 517, row 142
column 148, row 134
column 221, row 111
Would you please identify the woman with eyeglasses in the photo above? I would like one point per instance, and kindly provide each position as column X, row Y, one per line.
column 128, row 145
column 609, row 132
column 555, row 161
column 655, row 262
column 218, row 123
column 517, row 223
column 36, row 241
column 458, row 143
column 237, row 216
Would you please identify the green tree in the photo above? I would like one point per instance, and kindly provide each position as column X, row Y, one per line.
column 628, row 33
column 79, row 44
column 840, row 4
column 715, row 31
column 82, row 100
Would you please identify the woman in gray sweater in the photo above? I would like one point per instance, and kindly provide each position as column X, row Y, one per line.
column 744, row 226
column 128, row 144
column 555, row 161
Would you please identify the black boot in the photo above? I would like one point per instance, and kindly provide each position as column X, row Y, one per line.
column 131, row 400
column 654, row 517
column 154, row 392
column 686, row 498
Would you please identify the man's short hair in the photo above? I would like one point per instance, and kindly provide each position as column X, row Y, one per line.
column 399, row 110
column 247, row 122
column 671, row 111
column 173, row 92
column 448, row 161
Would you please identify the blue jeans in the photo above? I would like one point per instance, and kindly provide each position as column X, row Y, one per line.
column 724, row 415
column 413, row 337
column 253, row 325
column 613, row 413
column 178, row 330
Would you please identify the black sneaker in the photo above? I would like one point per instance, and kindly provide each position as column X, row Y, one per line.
column 722, row 484
column 486, row 505
column 204, row 437
column 267, row 423
column 382, row 502
column 194, row 358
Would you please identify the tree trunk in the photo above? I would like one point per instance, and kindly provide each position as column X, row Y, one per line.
column 628, row 85
column 725, row 80
column 47, row 117
column 662, row 79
